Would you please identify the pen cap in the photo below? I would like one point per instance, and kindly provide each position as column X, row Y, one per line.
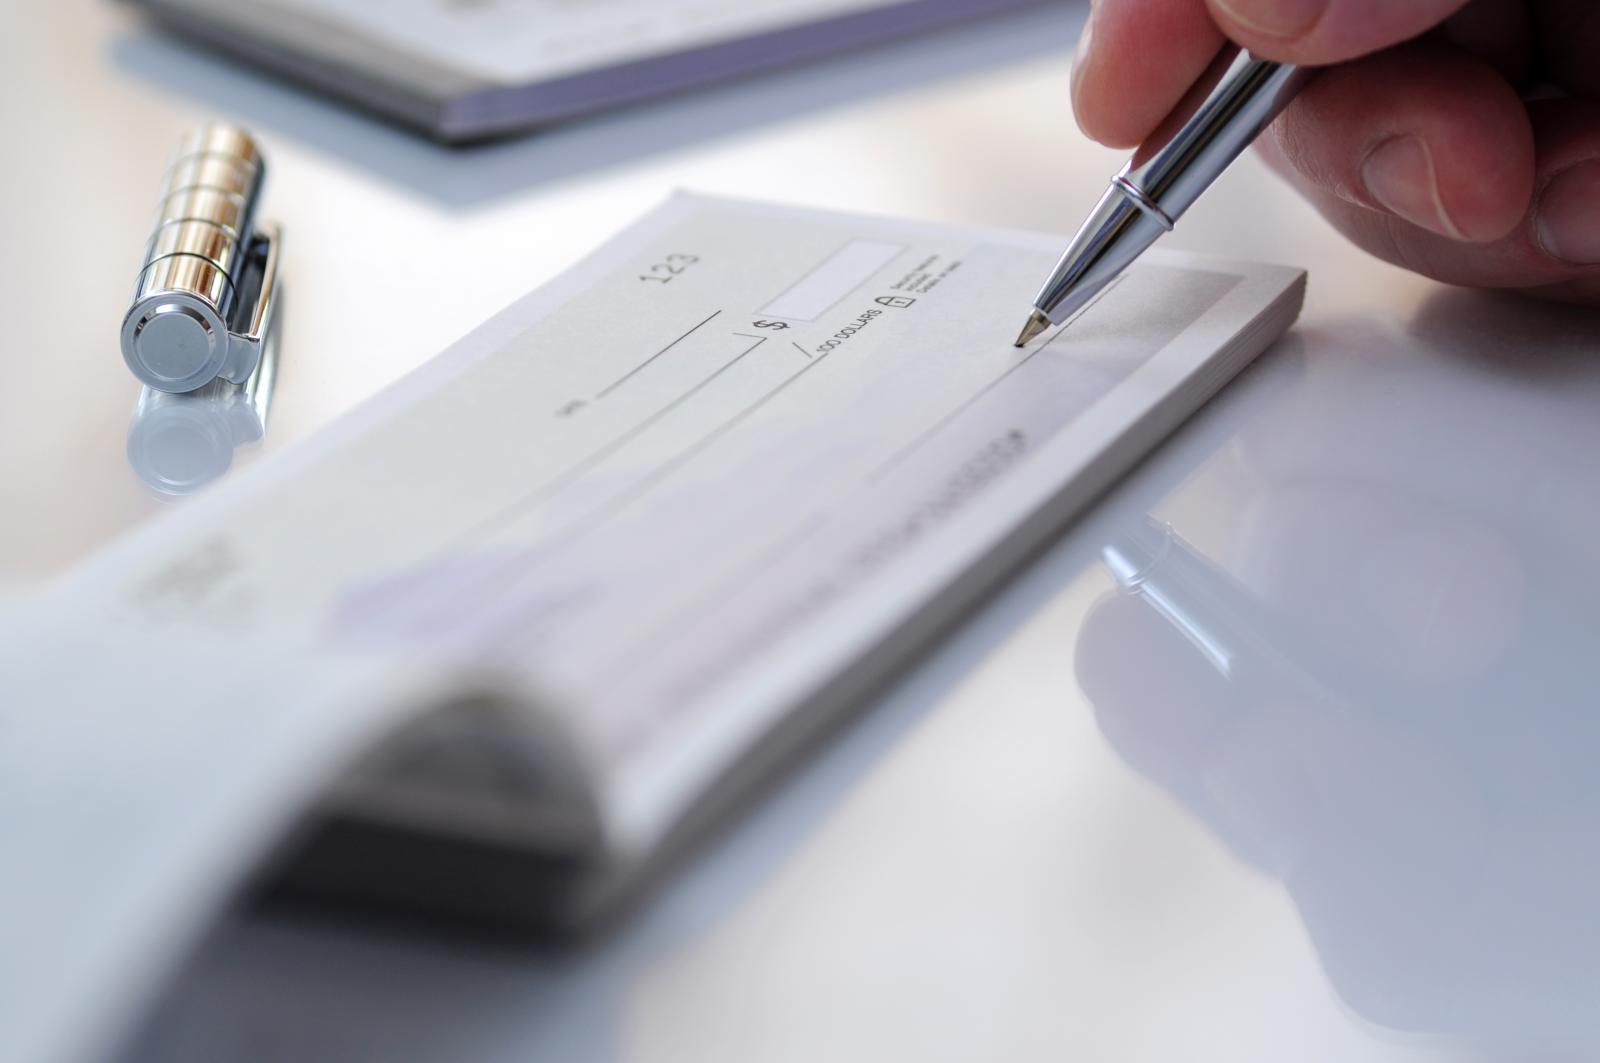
column 200, row 285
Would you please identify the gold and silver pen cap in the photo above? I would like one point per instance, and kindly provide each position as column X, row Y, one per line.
column 204, row 298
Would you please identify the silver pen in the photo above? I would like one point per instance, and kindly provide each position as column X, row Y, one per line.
column 1220, row 117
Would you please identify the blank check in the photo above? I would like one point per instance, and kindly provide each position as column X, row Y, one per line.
column 716, row 478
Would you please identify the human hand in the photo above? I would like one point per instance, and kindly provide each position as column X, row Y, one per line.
column 1457, row 138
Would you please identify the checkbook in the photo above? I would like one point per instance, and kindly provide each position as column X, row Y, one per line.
column 508, row 636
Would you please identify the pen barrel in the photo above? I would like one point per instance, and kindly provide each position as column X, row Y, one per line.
column 1224, row 112
column 1211, row 127
column 192, row 286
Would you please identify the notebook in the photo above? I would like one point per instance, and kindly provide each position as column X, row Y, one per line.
column 502, row 642
column 464, row 71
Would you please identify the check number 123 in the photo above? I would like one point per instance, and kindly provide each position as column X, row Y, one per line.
column 669, row 267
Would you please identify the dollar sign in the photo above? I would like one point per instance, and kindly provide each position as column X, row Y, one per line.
column 771, row 324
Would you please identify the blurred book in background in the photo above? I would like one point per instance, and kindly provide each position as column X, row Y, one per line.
column 463, row 70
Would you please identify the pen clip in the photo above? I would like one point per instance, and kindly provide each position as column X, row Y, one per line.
column 244, row 347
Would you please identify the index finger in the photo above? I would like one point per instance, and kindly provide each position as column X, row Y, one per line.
column 1138, row 57
column 1317, row 32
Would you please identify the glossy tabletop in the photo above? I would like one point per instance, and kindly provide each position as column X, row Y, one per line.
column 1315, row 781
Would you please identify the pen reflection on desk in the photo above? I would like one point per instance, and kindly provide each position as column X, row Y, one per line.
column 178, row 443
column 1430, row 824
column 1235, row 632
column 1221, row 115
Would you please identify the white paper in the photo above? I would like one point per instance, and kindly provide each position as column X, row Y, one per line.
column 648, row 490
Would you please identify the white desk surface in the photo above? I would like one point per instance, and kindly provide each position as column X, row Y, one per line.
column 1064, row 835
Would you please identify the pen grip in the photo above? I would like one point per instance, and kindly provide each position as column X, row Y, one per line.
column 1213, row 125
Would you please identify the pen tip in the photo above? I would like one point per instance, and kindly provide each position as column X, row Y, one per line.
column 1037, row 323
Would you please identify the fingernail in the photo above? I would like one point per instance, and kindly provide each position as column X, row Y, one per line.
column 1275, row 18
column 1568, row 219
column 1399, row 174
